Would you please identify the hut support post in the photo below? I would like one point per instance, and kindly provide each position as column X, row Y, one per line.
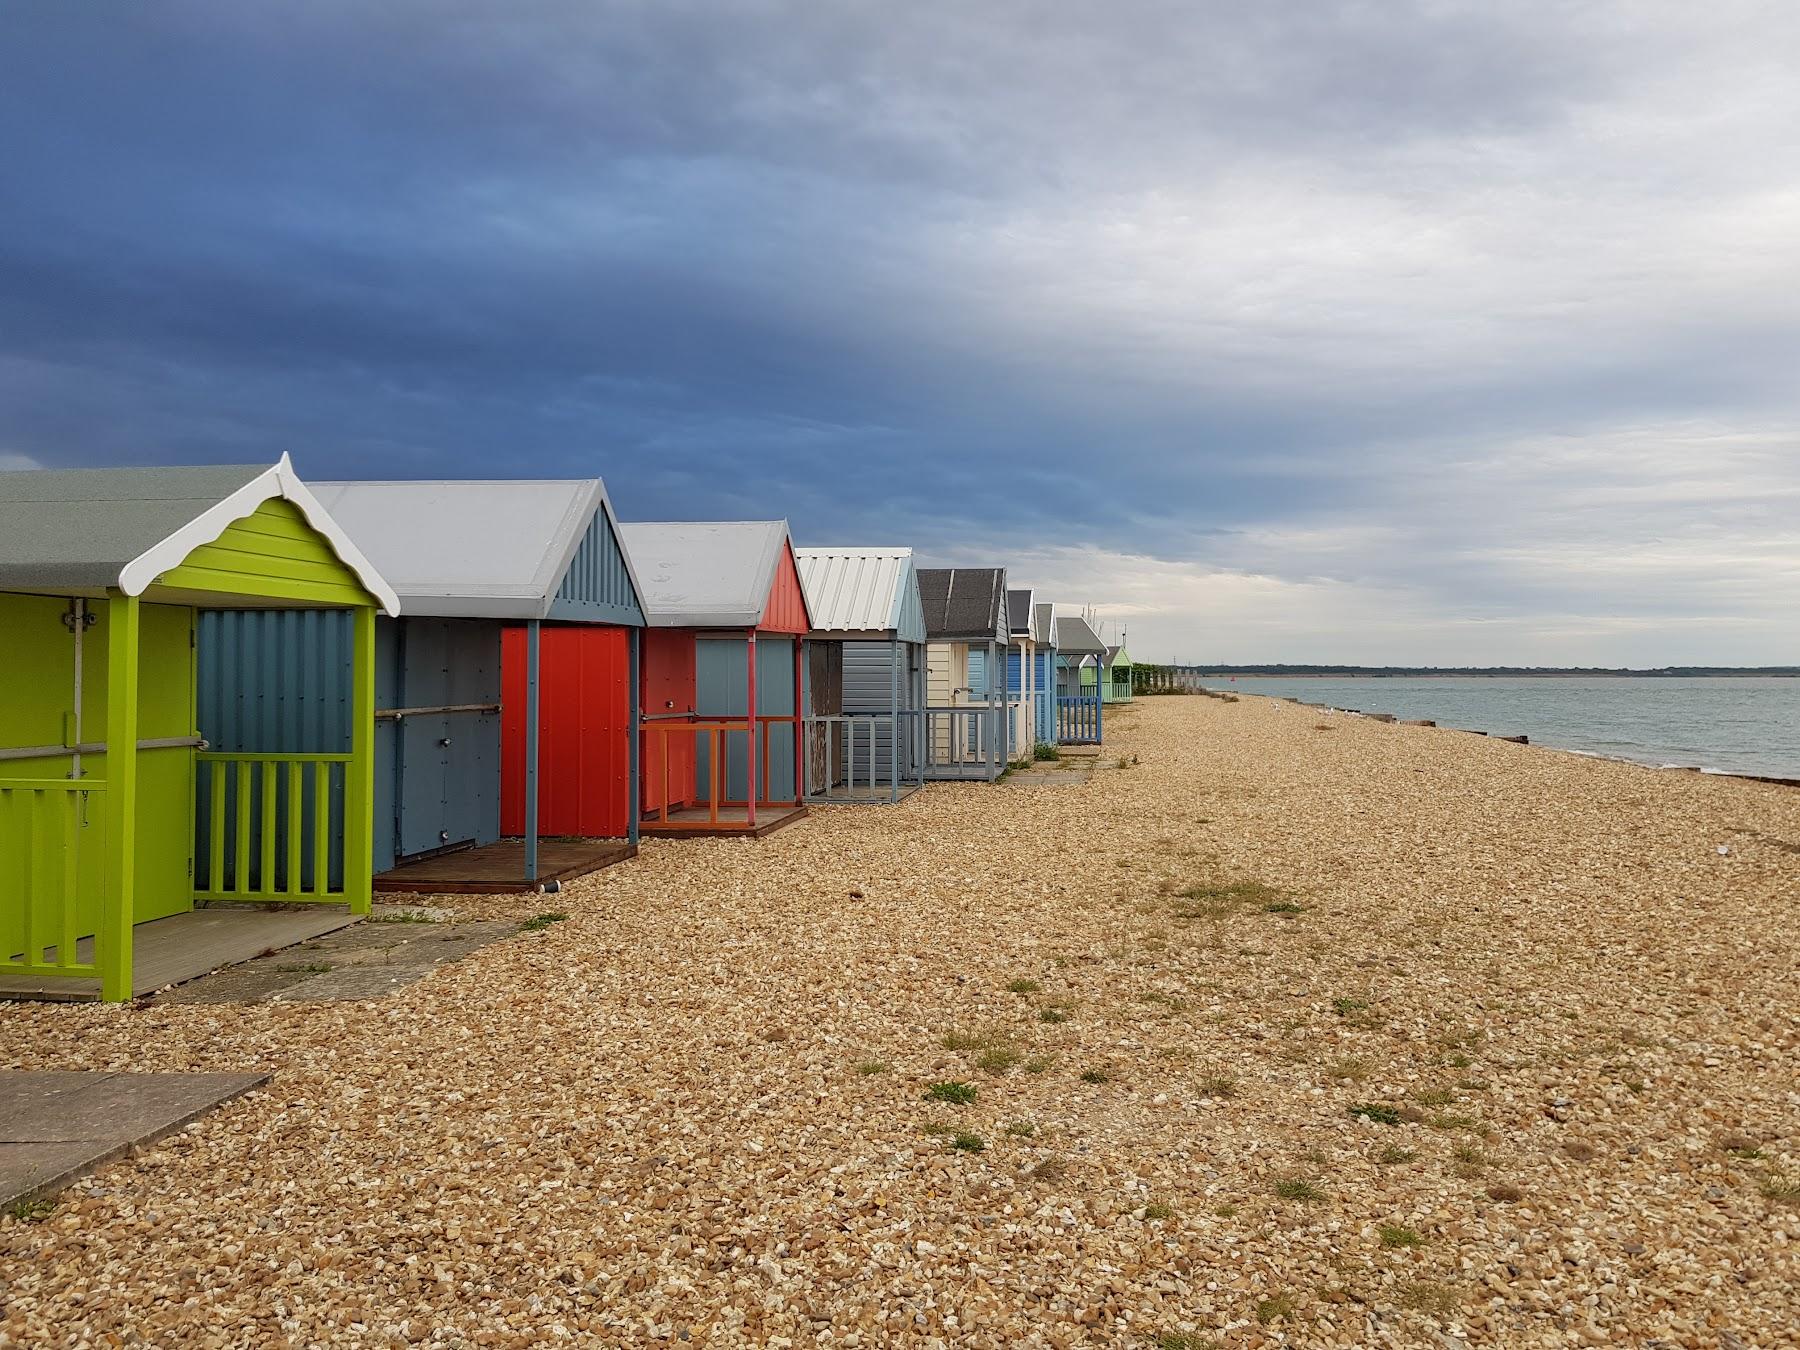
column 359, row 774
column 532, row 635
column 634, row 768
column 995, row 750
column 750, row 721
column 893, row 719
column 800, row 669
column 112, row 942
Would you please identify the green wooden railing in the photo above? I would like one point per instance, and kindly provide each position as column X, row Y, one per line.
column 270, row 827
column 46, row 827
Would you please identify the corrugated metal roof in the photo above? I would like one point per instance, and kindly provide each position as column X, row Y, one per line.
column 1074, row 636
column 705, row 574
column 89, row 529
column 470, row 548
column 862, row 590
column 964, row 604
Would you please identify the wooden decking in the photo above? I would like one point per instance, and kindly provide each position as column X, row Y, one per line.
column 186, row 946
column 499, row 868
column 697, row 821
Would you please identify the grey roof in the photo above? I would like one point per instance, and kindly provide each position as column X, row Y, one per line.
column 964, row 604
column 862, row 590
column 1018, row 613
column 470, row 548
column 1075, row 637
column 1043, row 623
column 704, row 574
column 91, row 529
column 1112, row 655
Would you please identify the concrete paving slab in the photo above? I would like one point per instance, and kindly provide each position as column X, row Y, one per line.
column 57, row 1126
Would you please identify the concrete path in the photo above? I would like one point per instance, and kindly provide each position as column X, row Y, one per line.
column 368, row 961
column 57, row 1126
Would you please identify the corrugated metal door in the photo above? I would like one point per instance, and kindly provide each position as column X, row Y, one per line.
column 868, row 668
column 584, row 681
column 720, row 692
column 667, row 679
column 444, row 785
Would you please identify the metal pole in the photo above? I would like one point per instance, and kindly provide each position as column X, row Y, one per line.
column 634, row 770
column 531, row 749
column 750, row 721
column 893, row 719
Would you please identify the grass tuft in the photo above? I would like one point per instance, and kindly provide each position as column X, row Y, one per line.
column 1392, row 1155
column 1398, row 1235
column 999, row 1059
column 540, row 922
column 31, row 1211
column 959, row 1094
column 1094, row 1076
column 1427, row 1296
column 1378, row 1113
column 1780, row 1187
column 965, row 1142
column 1159, row 1211
column 1297, row 1188
column 1053, row 1015
column 1278, row 1308
column 1023, row 987
column 870, row 1067
column 1218, row 1085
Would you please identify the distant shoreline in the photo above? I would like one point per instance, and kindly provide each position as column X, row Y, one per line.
column 1751, row 673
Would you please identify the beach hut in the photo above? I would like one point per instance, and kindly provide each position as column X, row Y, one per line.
column 1030, row 673
column 966, row 628
column 519, row 612
column 104, row 886
column 1115, row 675
column 865, row 674
column 1079, row 708
column 722, row 675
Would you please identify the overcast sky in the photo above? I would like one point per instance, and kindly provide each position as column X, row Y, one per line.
column 1376, row 332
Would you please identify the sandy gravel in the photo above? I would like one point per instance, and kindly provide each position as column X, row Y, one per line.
column 1567, row 991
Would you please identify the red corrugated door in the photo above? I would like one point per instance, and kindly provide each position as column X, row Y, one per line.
column 668, row 683
column 584, row 678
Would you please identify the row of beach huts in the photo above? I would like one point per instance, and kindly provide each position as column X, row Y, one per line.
column 234, row 706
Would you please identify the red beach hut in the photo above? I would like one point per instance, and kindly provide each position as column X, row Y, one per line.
column 722, row 675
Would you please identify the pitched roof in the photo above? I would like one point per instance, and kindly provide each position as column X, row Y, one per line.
column 705, row 573
column 1113, row 654
column 1018, row 612
column 90, row 529
column 1074, row 636
column 1043, row 623
column 964, row 604
column 474, row 548
column 862, row 590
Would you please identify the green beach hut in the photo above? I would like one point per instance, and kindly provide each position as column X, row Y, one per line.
column 102, row 572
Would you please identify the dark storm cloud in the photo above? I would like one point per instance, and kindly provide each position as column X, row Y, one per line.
column 1290, row 291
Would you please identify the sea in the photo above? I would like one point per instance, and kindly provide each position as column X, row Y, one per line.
column 1721, row 724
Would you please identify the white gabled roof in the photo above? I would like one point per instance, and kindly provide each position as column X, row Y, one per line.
column 472, row 548
column 861, row 590
column 87, row 529
column 704, row 573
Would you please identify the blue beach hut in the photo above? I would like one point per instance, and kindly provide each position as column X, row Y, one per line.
column 462, row 748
